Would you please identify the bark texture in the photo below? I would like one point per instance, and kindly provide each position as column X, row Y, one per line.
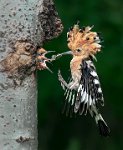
column 24, row 26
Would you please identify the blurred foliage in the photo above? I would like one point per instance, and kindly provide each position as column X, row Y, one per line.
column 58, row 132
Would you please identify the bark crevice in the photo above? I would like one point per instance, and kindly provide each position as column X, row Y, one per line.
column 49, row 20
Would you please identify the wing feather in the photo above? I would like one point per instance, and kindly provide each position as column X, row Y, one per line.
column 89, row 91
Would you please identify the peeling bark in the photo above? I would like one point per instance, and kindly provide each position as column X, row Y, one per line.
column 24, row 26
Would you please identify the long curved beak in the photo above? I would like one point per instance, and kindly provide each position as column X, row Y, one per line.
column 66, row 53
column 54, row 57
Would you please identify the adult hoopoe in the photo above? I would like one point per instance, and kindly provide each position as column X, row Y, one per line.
column 83, row 93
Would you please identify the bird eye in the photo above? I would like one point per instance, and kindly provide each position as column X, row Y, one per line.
column 39, row 54
column 78, row 50
column 87, row 38
column 94, row 38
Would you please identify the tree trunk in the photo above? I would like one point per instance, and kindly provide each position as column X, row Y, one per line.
column 24, row 26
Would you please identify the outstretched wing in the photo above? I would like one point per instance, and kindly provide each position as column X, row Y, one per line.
column 89, row 92
column 70, row 96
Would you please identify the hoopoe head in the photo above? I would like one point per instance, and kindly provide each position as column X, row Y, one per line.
column 83, row 41
column 41, row 52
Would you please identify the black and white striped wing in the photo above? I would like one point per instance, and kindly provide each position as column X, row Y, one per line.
column 89, row 92
column 70, row 97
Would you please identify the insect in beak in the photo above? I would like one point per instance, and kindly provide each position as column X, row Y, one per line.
column 54, row 57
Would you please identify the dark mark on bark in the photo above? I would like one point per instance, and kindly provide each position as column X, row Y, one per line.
column 1, row 116
column 22, row 139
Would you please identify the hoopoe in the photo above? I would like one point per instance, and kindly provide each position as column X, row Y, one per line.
column 41, row 59
column 83, row 93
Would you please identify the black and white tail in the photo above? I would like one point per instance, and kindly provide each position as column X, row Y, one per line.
column 104, row 130
column 103, row 127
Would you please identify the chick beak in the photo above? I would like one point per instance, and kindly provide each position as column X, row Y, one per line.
column 48, row 61
column 48, row 69
column 49, row 52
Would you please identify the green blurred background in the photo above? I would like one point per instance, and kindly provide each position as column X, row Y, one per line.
column 58, row 132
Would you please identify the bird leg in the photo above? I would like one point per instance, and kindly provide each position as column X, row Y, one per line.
column 70, row 85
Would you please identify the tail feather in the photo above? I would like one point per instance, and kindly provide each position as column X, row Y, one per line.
column 102, row 126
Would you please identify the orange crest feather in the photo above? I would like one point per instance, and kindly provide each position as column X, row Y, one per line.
column 85, row 39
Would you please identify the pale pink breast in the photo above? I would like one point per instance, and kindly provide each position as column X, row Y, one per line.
column 75, row 68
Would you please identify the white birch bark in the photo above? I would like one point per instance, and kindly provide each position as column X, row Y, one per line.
column 24, row 25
